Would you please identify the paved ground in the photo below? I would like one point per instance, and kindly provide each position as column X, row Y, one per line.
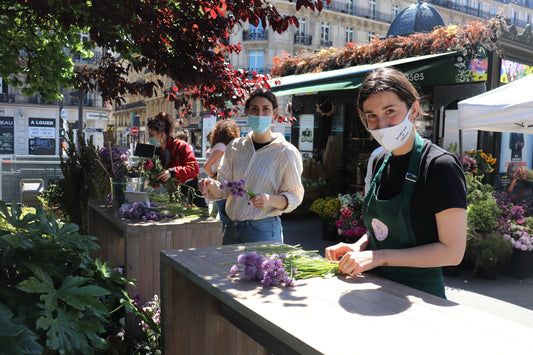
column 505, row 297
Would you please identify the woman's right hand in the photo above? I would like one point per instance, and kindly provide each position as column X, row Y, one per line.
column 337, row 251
column 206, row 184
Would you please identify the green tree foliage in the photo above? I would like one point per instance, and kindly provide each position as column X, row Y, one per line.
column 185, row 40
column 82, row 181
column 54, row 298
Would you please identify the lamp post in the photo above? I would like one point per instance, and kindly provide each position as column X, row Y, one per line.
column 79, row 95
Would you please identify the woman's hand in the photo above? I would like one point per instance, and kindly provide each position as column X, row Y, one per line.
column 260, row 200
column 163, row 176
column 337, row 251
column 355, row 262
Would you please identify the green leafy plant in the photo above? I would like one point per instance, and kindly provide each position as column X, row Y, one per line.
column 488, row 250
column 53, row 296
column 81, row 181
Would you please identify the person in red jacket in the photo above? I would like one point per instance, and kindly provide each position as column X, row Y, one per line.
column 176, row 156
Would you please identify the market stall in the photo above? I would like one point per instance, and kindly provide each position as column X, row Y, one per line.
column 508, row 108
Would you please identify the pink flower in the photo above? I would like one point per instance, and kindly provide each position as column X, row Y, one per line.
column 148, row 164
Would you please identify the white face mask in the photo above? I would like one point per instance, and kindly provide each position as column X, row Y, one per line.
column 394, row 137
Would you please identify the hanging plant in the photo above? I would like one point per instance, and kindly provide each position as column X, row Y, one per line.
column 325, row 108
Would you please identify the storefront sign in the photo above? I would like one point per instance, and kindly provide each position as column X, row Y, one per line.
column 516, row 148
column 307, row 123
column 41, row 136
column 7, row 141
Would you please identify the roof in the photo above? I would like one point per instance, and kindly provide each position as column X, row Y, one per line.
column 352, row 77
column 417, row 17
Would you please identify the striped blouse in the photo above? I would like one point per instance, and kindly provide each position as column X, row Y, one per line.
column 274, row 169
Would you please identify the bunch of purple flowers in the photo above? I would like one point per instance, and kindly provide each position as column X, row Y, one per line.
column 270, row 272
column 113, row 161
column 237, row 188
column 145, row 212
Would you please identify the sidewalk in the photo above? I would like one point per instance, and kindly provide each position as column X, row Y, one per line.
column 508, row 298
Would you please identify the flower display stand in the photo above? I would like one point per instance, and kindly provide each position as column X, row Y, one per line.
column 520, row 265
column 135, row 245
column 205, row 311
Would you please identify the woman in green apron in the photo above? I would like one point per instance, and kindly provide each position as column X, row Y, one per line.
column 415, row 208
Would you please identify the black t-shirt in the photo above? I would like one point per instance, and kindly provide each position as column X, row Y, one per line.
column 440, row 185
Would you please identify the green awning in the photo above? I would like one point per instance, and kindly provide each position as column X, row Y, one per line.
column 433, row 69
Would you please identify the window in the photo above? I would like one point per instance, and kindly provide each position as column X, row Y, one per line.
column 373, row 9
column 349, row 35
column 350, row 6
column 324, row 34
column 256, row 29
column 371, row 35
column 255, row 61
column 492, row 11
column 302, row 29
column 395, row 10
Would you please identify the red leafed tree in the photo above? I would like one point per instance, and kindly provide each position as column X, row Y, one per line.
column 185, row 40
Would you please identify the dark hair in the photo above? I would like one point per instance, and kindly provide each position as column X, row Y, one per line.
column 387, row 79
column 224, row 131
column 183, row 135
column 262, row 92
column 162, row 122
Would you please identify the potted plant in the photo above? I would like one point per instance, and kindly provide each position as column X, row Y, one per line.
column 350, row 225
column 485, row 246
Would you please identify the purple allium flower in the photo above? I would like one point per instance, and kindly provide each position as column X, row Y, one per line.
column 234, row 270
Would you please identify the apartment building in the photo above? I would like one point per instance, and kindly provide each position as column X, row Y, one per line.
column 34, row 126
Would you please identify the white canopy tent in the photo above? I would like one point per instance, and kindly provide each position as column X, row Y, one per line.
column 508, row 108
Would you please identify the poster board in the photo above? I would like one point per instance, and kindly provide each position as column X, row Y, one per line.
column 41, row 136
column 7, row 135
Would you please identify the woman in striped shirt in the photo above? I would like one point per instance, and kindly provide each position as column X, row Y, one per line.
column 272, row 168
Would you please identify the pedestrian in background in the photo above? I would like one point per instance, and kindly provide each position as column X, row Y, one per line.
column 220, row 136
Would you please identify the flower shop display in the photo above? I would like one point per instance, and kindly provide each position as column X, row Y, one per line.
column 486, row 247
column 150, row 322
column 350, row 224
column 151, row 168
column 478, row 162
column 282, row 265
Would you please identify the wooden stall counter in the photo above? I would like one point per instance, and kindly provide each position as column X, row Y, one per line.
column 205, row 311
column 136, row 245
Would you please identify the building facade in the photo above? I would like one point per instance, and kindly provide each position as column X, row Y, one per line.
column 33, row 126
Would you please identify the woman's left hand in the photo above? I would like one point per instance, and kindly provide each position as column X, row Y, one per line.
column 163, row 176
column 260, row 200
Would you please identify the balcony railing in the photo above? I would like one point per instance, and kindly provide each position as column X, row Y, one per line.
column 305, row 40
column 74, row 102
column 6, row 97
column 258, row 35
column 325, row 43
column 258, row 70
column 343, row 7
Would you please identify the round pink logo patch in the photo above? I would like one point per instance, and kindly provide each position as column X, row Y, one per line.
column 381, row 231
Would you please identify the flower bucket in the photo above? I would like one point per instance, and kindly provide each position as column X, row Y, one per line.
column 520, row 265
column 119, row 187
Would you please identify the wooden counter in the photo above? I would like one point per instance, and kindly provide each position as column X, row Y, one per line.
column 135, row 245
column 204, row 311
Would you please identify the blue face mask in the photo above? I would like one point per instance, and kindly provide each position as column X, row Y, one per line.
column 154, row 141
column 259, row 124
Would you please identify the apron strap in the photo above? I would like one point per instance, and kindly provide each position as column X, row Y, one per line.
column 414, row 164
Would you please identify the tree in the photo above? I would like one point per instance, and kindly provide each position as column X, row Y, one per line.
column 185, row 40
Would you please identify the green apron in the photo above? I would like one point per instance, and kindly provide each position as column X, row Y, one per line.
column 389, row 227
